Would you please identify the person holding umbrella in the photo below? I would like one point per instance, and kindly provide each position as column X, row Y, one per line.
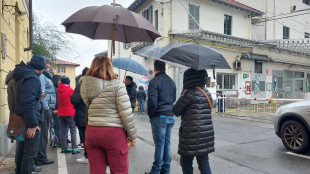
column 131, row 88
column 111, row 126
column 196, row 131
column 161, row 96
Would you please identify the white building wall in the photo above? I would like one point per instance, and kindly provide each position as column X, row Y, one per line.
column 298, row 25
column 211, row 17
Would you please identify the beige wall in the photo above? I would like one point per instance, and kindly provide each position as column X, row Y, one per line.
column 70, row 72
column 16, row 30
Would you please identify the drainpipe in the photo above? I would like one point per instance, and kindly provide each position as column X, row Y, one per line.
column 30, row 27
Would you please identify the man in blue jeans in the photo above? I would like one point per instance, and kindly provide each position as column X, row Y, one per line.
column 161, row 96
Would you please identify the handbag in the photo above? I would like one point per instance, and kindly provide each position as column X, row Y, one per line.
column 16, row 127
column 208, row 98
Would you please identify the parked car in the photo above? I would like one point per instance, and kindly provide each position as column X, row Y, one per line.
column 291, row 124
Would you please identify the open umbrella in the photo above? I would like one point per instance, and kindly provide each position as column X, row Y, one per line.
column 129, row 65
column 154, row 52
column 112, row 23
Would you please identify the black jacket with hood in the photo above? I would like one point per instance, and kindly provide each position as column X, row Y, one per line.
column 132, row 93
column 196, row 132
column 141, row 96
column 27, row 94
column 78, row 103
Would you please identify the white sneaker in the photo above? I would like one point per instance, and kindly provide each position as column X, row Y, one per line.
column 82, row 160
column 107, row 170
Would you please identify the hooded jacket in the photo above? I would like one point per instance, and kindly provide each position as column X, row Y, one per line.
column 64, row 93
column 141, row 96
column 55, row 80
column 47, row 86
column 196, row 132
column 27, row 94
column 132, row 93
column 79, row 105
column 108, row 104
column 10, row 83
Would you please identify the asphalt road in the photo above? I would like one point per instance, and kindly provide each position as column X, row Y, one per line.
column 242, row 147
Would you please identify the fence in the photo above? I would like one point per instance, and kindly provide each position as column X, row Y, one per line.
column 251, row 105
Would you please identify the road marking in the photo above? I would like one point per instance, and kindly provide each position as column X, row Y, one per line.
column 62, row 164
column 298, row 155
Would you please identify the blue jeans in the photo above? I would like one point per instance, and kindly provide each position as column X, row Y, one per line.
column 141, row 106
column 161, row 129
column 57, row 127
column 203, row 164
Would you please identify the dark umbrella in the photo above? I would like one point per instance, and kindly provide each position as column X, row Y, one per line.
column 112, row 23
column 196, row 56
column 129, row 65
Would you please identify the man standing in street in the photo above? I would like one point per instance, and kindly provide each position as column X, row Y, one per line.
column 131, row 88
column 161, row 96
column 48, row 102
column 26, row 103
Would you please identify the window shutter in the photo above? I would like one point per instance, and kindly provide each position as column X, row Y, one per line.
column 64, row 69
column 58, row 69
column 150, row 14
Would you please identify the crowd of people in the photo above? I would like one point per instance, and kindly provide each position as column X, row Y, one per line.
column 101, row 107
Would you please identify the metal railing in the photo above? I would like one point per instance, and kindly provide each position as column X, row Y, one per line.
column 251, row 105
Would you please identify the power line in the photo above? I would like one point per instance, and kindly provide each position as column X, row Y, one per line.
column 288, row 16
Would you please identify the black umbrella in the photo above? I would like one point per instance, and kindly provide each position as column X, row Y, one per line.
column 195, row 56
column 112, row 23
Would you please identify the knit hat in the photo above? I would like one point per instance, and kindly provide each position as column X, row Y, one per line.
column 47, row 60
column 37, row 62
column 65, row 80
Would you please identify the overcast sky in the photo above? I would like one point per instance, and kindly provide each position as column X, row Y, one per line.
column 57, row 11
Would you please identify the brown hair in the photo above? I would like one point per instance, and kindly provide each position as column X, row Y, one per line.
column 102, row 68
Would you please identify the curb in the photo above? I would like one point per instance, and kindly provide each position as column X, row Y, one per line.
column 267, row 119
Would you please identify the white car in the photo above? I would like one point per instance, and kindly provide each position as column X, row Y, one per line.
column 292, row 125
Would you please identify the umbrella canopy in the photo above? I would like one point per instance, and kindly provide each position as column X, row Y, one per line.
column 129, row 65
column 154, row 52
column 101, row 22
column 192, row 55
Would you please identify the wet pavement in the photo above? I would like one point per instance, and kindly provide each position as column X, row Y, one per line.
column 243, row 146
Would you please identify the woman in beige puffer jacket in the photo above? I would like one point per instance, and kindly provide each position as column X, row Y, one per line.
column 111, row 123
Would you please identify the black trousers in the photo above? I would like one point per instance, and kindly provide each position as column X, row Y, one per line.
column 82, row 130
column 27, row 152
column 44, row 126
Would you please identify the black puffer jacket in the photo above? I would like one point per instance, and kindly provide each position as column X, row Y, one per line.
column 196, row 131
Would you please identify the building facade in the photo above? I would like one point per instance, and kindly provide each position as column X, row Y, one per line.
column 264, row 42
column 14, row 27
column 62, row 67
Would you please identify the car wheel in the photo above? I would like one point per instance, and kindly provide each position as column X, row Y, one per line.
column 295, row 137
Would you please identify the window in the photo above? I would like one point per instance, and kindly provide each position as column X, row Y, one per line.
column 258, row 67
column 307, row 35
column 194, row 11
column 227, row 25
column 306, row 2
column 61, row 69
column 156, row 19
column 148, row 14
column 286, row 32
column 226, row 81
column 299, row 75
